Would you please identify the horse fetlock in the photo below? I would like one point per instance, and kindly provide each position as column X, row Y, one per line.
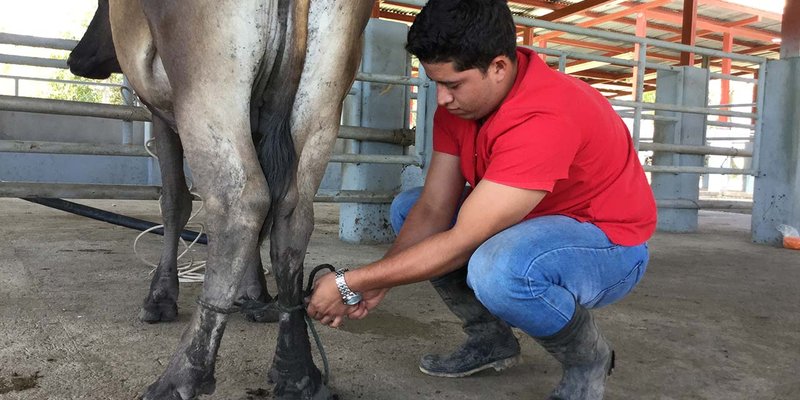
column 158, row 311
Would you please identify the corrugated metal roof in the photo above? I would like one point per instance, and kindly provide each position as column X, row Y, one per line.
column 751, row 35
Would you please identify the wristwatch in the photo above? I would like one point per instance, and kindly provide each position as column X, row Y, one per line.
column 348, row 296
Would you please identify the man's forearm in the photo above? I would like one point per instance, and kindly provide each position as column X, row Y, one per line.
column 420, row 224
column 441, row 253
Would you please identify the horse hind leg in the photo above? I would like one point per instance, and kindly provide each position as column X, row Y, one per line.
column 160, row 305
column 293, row 371
column 212, row 113
column 334, row 54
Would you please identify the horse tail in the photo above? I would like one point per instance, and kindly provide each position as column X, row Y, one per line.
column 273, row 139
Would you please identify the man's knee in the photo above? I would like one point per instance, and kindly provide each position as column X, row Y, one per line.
column 489, row 280
column 401, row 205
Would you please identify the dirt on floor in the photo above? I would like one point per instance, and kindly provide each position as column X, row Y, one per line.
column 716, row 317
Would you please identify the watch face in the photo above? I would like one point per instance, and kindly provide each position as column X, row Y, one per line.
column 353, row 300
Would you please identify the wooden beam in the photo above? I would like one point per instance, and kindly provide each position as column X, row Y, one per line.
column 572, row 9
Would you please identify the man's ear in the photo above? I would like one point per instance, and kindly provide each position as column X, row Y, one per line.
column 500, row 68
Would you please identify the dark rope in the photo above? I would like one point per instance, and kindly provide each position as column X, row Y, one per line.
column 256, row 306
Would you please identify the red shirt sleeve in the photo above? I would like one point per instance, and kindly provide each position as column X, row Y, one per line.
column 534, row 154
column 444, row 139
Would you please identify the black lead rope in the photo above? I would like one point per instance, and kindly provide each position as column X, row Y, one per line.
column 310, row 322
column 255, row 306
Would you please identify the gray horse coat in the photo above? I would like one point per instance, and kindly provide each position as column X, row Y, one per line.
column 226, row 74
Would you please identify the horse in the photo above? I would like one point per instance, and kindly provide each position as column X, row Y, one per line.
column 250, row 91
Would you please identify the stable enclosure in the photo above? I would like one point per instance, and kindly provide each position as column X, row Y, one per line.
column 714, row 318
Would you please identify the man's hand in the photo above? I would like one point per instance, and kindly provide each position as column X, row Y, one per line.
column 369, row 301
column 325, row 304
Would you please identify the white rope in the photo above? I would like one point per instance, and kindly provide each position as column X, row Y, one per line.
column 188, row 272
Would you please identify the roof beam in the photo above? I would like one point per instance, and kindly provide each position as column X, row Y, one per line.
column 637, row 7
column 714, row 25
column 572, row 9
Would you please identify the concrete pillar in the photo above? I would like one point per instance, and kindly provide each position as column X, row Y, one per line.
column 688, row 87
column 375, row 105
column 776, row 199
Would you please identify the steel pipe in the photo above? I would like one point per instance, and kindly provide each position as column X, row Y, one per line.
column 702, row 150
column 134, row 192
column 705, row 204
column 96, row 149
column 672, row 107
column 375, row 159
column 61, row 107
column 391, row 79
column 33, row 61
column 403, row 137
column 79, row 191
column 672, row 169
column 35, row 41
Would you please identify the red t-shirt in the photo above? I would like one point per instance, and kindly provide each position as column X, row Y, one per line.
column 556, row 133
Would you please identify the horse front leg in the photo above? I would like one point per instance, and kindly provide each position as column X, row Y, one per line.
column 161, row 305
column 236, row 199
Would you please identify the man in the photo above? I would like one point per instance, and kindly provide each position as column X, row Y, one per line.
column 555, row 219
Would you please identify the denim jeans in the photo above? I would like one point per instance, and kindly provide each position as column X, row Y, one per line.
column 533, row 274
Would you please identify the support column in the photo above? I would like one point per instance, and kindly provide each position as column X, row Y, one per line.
column 641, row 31
column 689, row 29
column 776, row 199
column 375, row 105
column 687, row 87
column 790, row 30
column 725, row 84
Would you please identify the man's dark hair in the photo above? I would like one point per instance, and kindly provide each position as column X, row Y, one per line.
column 470, row 33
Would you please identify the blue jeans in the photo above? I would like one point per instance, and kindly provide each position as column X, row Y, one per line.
column 534, row 273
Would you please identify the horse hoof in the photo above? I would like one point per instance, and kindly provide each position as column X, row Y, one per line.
column 158, row 312
column 165, row 389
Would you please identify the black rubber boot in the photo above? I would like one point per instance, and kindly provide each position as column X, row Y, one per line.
column 490, row 342
column 585, row 356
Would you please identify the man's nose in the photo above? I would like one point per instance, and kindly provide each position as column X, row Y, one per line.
column 443, row 95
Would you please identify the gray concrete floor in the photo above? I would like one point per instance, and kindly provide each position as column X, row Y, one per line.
column 716, row 317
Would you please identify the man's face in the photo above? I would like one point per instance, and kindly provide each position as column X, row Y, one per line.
column 469, row 94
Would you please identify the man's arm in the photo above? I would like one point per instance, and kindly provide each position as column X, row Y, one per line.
column 434, row 210
column 490, row 208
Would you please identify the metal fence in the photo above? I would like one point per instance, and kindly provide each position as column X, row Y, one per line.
column 636, row 109
column 404, row 137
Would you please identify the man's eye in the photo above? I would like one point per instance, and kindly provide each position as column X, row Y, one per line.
column 453, row 85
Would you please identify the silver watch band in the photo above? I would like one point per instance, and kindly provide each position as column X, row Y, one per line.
column 348, row 296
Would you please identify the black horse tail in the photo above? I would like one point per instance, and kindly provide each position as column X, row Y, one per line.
column 272, row 136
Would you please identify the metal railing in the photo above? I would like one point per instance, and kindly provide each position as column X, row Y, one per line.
column 403, row 137
column 635, row 109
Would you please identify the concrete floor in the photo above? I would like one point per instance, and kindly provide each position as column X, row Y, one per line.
column 716, row 317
